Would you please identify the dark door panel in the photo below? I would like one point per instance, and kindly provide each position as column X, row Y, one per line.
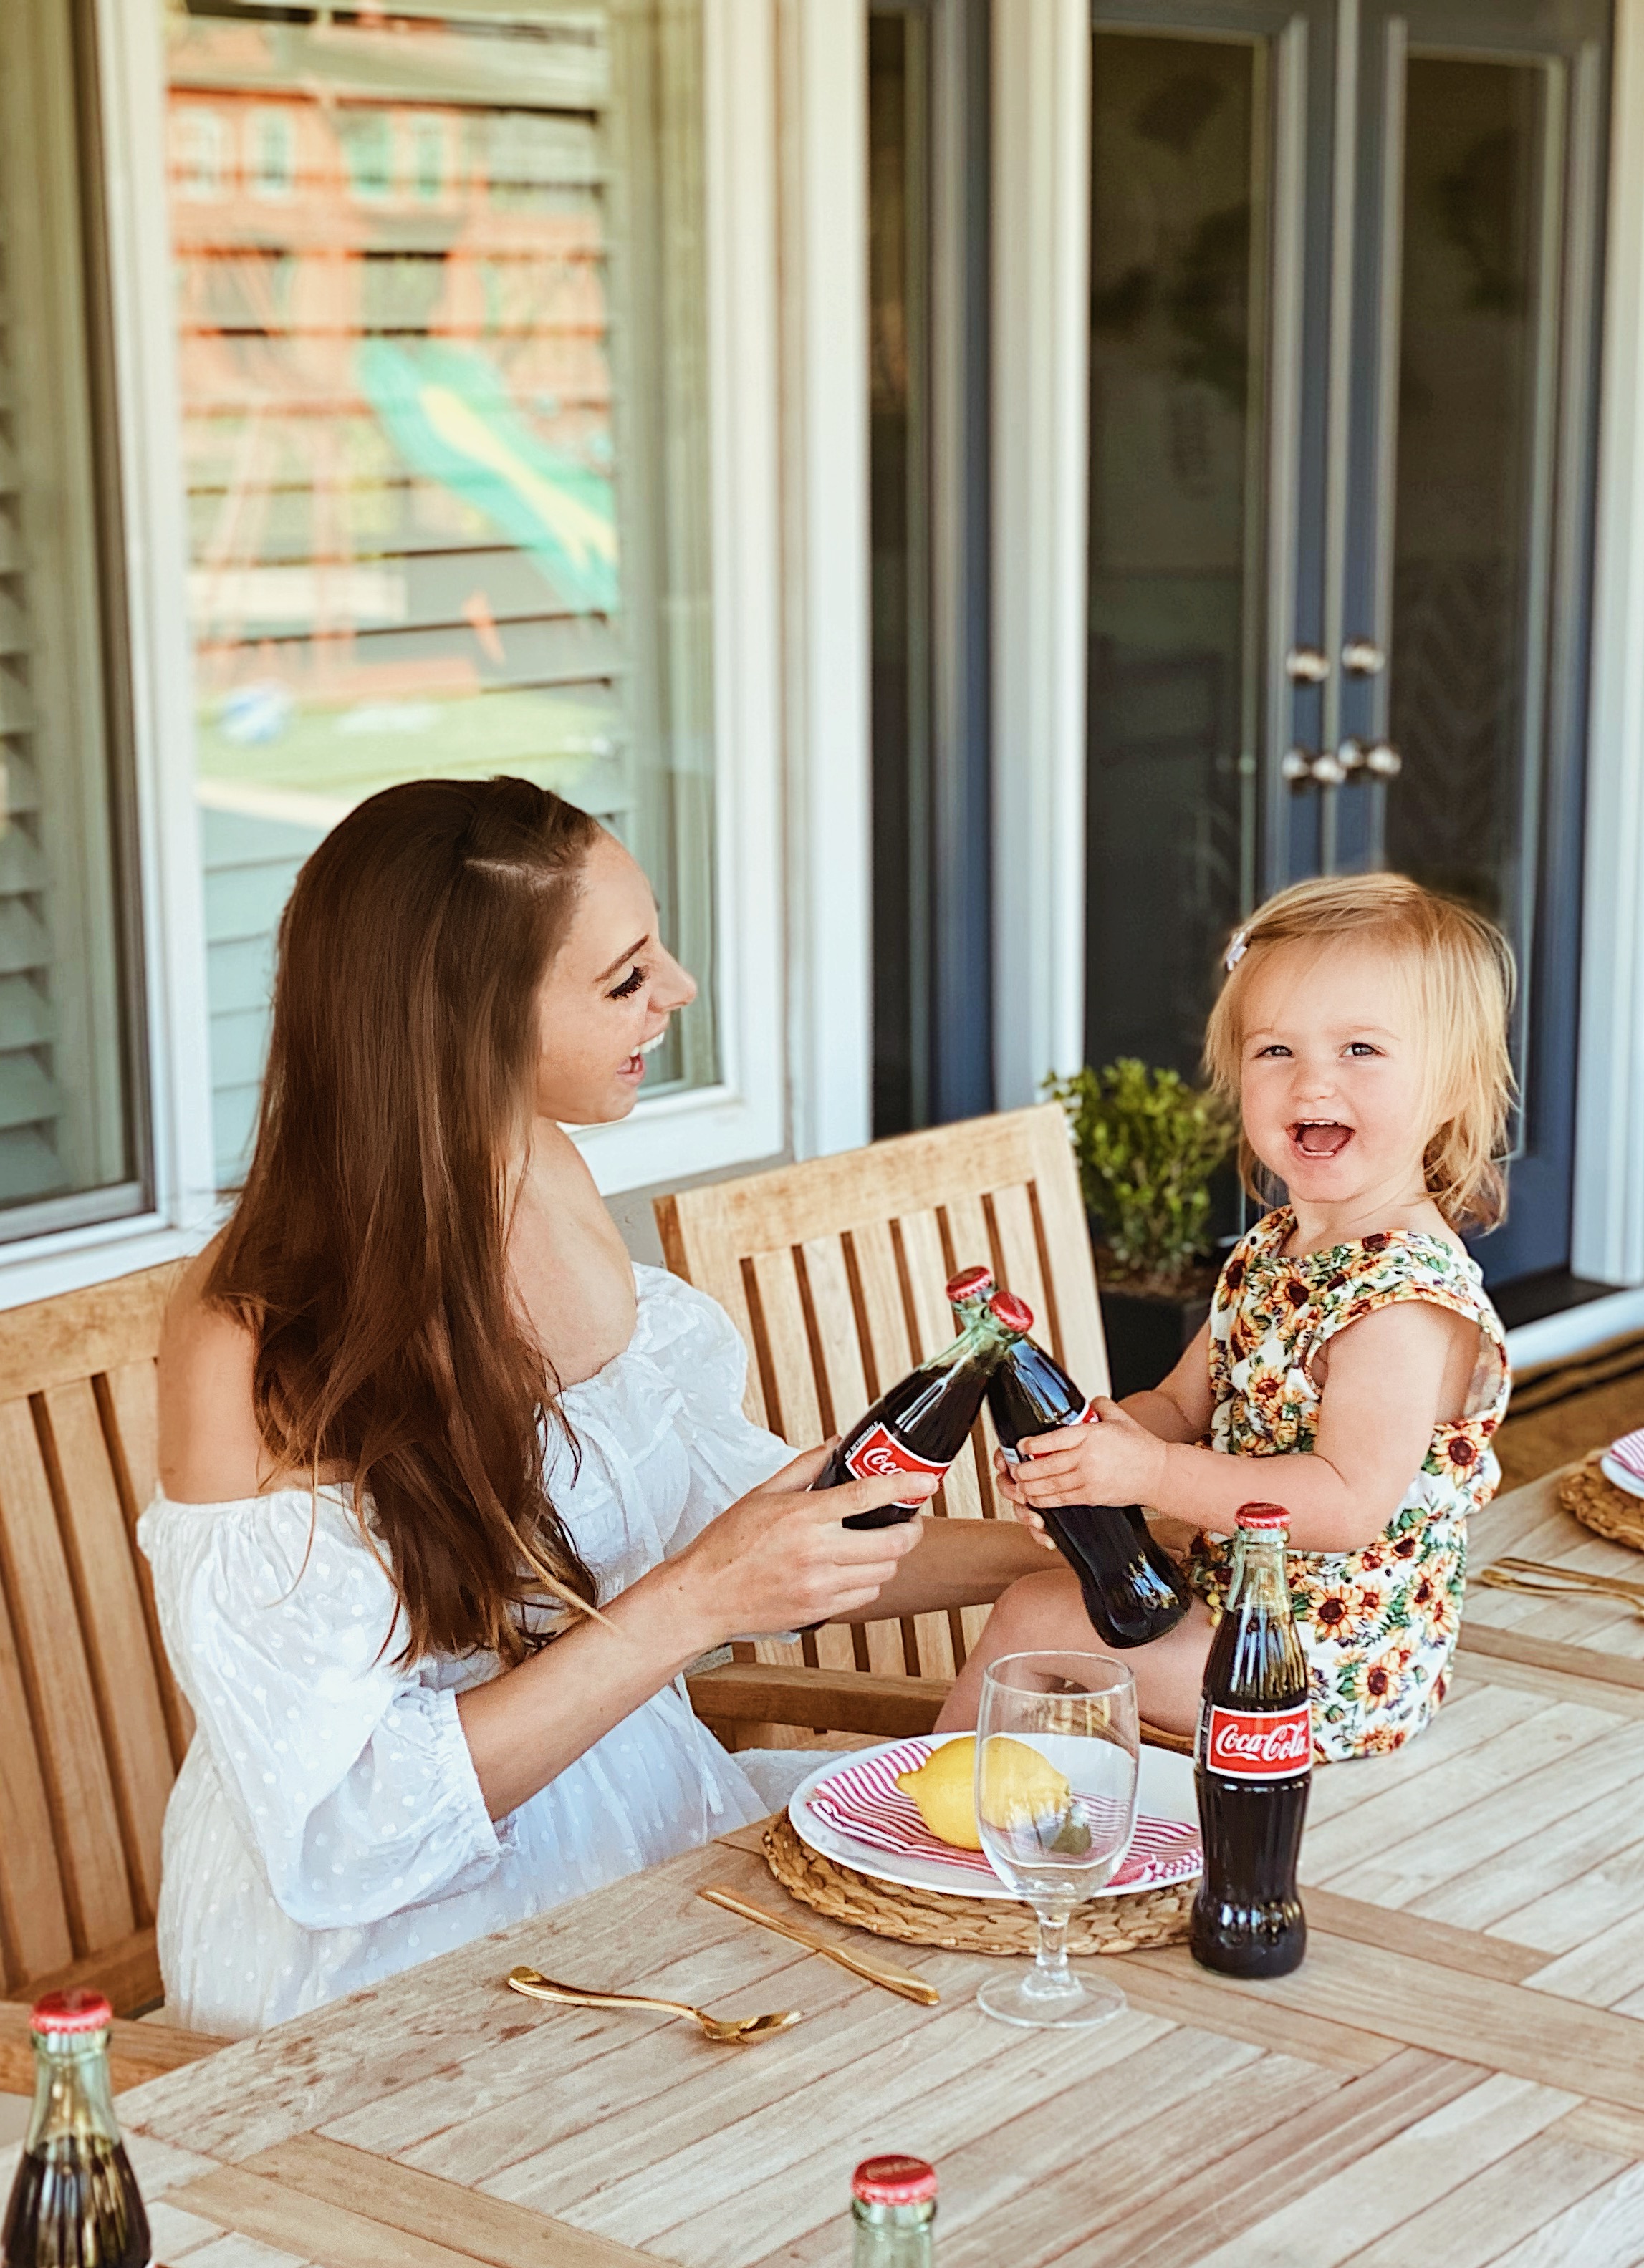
column 1343, row 322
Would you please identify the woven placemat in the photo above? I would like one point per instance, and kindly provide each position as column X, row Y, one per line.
column 967, row 1924
column 1587, row 1495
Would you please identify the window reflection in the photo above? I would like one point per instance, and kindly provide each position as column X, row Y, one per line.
column 440, row 303
column 1179, row 163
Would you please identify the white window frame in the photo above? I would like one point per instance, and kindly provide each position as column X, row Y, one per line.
column 133, row 122
column 744, row 1116
column 822, row 138
column 1041, row 267
column 1608, row 1229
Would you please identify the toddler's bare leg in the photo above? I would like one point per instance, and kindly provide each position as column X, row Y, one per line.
column 1048, row 1612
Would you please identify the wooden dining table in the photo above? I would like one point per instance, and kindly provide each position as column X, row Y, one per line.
column 1454, row 2076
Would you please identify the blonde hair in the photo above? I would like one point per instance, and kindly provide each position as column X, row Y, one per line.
column 1463, row 985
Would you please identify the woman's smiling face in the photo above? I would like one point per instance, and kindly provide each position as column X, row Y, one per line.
column 1333, row 1086
column 607, row 999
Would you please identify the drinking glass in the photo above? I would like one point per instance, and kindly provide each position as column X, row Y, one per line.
column 1057, row 1751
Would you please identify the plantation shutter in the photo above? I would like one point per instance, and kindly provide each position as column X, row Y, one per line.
column 440, row 283
column 66, row 1146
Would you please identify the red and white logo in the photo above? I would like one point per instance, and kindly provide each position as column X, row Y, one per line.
column 878, row 1451
column 1260, row 1744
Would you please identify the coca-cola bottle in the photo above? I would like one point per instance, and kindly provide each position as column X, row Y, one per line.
column 1253, row 1764
column 75, row 2198
column 922, row 1424
column 1132, row 1589
column 893, row 2206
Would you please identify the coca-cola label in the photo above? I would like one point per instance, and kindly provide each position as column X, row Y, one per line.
column 878, row 1451
column 1258, row 1743
column 1087, row 1416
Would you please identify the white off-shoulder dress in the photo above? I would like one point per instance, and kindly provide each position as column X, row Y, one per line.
column 327, row 1827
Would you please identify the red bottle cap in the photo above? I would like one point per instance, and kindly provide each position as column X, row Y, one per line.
column 1014, row 1314
column 1262, row 1518
column 967, row 1283
column 894, row 2180
column 71, row 2012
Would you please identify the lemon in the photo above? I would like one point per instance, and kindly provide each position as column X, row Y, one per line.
column 1021, row 1787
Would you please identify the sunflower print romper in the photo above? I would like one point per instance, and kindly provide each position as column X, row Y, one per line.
column 1379, row 1625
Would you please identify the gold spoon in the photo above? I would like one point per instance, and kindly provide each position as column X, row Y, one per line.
column 736, row 2032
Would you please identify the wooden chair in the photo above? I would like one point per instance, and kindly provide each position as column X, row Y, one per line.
column 92, row 1728
column 833, row 1271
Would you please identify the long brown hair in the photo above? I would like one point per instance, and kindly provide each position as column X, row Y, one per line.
column 367, row 1253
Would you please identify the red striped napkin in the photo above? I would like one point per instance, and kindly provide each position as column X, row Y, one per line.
column 1628, row 1453
column 862, row 1800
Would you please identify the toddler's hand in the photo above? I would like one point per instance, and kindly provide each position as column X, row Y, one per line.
column 1007, row 1485
column 1115, row 1460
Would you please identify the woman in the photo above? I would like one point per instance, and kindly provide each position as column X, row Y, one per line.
column 420, row 1416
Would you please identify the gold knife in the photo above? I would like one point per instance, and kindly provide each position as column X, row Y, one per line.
column 893, row 1980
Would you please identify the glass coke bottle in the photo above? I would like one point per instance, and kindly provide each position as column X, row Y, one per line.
column 75, row 2203
column 892, row 2210
column 1131, row 1589
column 1253, row 1764
column 923, row 1423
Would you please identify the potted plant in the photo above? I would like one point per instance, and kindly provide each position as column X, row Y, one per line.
column 1149, row 1145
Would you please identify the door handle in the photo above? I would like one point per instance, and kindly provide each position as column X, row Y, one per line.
column 1332, row 767
column 1382, row 760
column 1299, row 765
column 1363, row 657
column 1305, row 664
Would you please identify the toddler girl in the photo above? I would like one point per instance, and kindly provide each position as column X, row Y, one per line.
column 1362, row 1029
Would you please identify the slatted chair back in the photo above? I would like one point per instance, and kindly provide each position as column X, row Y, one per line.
column 92, row 1728
column 834, row 1273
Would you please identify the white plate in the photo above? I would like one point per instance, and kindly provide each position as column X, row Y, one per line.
column 1620, row 1476
column 1165, row 1791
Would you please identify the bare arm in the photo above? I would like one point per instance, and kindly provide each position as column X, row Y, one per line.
column 955, row 1563
column 1390, row 1379
column 210, row 1451
column 776, row 1559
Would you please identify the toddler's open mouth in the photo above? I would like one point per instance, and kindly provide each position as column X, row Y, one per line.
column 1320, row 1137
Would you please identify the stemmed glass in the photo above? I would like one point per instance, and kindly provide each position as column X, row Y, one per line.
column 1057, row 1752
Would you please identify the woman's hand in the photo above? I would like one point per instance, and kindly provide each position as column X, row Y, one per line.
column 1115, row 1460
column 778, row 1558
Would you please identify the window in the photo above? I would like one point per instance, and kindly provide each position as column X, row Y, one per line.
column 930, row 345
column 71, row 1148
column 273, row 162
column 428, row 157
column 445, row 435
column 198, row 142
column 899, row 471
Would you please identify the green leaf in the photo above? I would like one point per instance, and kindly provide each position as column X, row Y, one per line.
column 1147, row 1146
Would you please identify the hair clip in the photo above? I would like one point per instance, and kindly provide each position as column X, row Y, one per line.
column 1237, row 950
